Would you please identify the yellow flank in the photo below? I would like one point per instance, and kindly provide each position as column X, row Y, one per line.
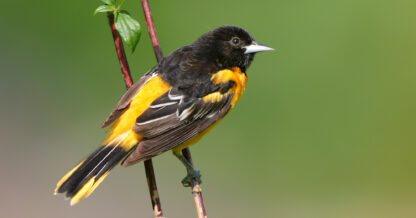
column 122, row 129
column 66, row 177
column 195, row 139
column 236, row 75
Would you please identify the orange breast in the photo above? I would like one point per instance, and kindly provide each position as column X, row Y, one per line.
column 223, row 76
column 236, row 75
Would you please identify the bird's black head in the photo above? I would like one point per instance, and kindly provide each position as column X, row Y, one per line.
column 229, row 46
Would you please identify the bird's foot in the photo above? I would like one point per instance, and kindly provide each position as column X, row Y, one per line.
column 192, row 174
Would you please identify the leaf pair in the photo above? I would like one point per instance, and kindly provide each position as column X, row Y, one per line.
column 128, row 28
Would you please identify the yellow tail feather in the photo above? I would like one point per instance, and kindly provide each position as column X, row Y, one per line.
column 87, row 189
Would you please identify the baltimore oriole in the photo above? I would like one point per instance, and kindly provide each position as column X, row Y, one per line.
column 171, row 107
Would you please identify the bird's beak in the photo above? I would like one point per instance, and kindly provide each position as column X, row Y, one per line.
column 256, row 47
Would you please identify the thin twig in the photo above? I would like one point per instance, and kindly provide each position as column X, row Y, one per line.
column 152, row 30
column 154, row 194
column 196, row 189
column 150, row 175
column 125, row 69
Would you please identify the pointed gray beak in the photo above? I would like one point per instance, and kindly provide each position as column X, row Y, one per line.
column 256, row 47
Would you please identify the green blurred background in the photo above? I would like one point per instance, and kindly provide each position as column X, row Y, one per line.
column 326, row 127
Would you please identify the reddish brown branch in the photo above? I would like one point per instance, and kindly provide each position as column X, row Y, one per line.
column 152, row 30
column 196, row 189
column 150, row 175
column 125, row 69
column 154, row 194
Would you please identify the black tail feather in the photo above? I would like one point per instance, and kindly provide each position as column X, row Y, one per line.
column 96, row 165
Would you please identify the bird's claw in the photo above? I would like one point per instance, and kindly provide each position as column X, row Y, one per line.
column 193, row 174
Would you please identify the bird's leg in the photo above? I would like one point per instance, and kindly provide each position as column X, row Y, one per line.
column 192, row 173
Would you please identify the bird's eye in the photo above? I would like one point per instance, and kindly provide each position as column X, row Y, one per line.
column 235, row 40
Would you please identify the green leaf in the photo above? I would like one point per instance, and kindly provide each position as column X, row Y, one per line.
column 128, row 28
column 120, row 3
column 104, row 8
column 109, row 2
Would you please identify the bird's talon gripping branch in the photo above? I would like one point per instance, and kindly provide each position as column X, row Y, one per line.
column 192, row 174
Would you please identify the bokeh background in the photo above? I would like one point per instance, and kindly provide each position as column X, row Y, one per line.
column 326, row 127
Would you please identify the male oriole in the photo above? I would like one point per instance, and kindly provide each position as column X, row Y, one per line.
column 171, row 107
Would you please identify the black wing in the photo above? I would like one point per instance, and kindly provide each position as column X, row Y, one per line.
column 173, row 119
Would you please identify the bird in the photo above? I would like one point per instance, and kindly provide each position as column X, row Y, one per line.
column 171, row 107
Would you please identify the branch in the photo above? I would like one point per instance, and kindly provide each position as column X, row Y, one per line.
column 196, row 189
column 154, row 194
column 125, row 70
column 152, row 30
